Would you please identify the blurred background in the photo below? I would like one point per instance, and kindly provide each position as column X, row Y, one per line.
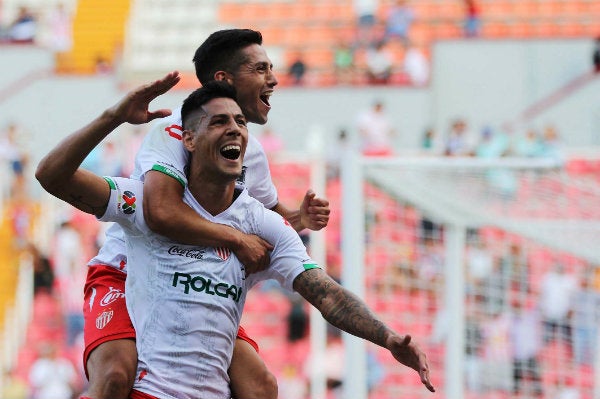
column 477, row 129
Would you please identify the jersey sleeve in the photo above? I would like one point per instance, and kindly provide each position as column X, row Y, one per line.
column 125, row 203
column 289, row 257
column 259, row 182
column 162, row 150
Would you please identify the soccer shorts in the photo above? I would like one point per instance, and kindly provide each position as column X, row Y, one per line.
column 140, row 395
column 104, row 309
column 105, row 312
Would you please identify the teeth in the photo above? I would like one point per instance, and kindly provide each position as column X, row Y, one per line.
column 231, row 147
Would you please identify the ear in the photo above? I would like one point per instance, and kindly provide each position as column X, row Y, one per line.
column 224, row 76
column 187, row 138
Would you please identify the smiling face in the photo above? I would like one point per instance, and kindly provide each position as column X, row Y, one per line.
column 218, row 140
column 254, row 82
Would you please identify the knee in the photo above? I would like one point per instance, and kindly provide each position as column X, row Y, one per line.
column 111, row 383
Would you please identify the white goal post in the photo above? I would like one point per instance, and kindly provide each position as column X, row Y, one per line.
column 531, row 200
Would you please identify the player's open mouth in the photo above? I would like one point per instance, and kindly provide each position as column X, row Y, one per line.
column 265, row 98
column 231, row 151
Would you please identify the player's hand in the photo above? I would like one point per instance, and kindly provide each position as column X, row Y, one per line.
column 314, row 211
column 253, row 253
column 409, row 354
column 134, row 107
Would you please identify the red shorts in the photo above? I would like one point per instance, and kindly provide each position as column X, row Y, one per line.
column 140, row 395
column 105, row 312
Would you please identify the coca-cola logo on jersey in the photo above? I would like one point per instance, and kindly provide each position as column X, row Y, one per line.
column 112, row 295
column 186, row 252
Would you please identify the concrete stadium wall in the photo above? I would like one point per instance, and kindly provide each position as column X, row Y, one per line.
column 491, row 82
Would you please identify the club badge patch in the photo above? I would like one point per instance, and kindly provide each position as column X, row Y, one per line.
column 104, row 318
column 223, row 253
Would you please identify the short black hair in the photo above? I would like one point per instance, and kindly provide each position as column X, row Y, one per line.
column 221, row 52
column 201, row 96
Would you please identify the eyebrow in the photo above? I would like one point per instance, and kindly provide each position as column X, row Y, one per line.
column 240, row 115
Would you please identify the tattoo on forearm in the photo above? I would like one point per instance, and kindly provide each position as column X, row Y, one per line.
column 340, row 307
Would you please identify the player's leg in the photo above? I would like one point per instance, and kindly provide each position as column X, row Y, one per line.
column 111, row 369
column 249, row 376
column 110, row 356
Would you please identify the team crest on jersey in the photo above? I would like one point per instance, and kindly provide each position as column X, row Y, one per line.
column 174, row 131
column 112, row 295
column 129, row 204
column 223, row 253
column 104, row 318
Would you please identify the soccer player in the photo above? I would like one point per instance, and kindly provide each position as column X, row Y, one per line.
column 235, row 56
column 186, row 301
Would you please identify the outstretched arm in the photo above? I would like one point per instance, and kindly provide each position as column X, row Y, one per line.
column 59, row 172
column 349, row 313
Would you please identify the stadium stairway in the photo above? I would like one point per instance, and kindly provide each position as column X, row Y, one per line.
column 98, row 34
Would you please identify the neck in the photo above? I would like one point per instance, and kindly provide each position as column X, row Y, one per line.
column 214, row 195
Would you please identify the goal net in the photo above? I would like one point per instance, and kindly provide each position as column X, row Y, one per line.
column 490, row 265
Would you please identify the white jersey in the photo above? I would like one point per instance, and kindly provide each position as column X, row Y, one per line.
column 185, row 302
column 163, row 150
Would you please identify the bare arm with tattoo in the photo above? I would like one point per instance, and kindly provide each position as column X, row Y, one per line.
column 349, row 313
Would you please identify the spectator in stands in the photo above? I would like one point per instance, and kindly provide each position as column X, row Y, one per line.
column 596, row 55
column 428, row 140
column 297, row 70
column 416, row 66
column 103, row 66
column 495, row 144
column 379, row 64
column 60, row 25
column 551, row 144
column 585, row 321
column 271, row 142
column 52, row 376
column 480, row 264
column 458, row 142
column 297, row 319
column 70, row 276
column 516, row 265
column 398, row 21
column 24, row 27
column 556, row 295
column 492, row 144
column 473, row 347
column 43, row 273
column 366, row 12
column 376, row 131
column 343, row 62
column 472, row 22
column 13, row 153
column 526, row 345
column 335, row 153
column 527, row 145
column 20, row 212
column 496, row 352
